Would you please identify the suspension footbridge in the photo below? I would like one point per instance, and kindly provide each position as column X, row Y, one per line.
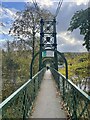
column 48, row 93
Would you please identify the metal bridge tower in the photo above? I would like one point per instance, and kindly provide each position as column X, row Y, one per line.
column 48, row 41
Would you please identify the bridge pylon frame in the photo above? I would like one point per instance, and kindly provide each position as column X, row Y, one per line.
column 48, row 28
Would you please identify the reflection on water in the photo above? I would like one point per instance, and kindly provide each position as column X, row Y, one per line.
column 84, row 84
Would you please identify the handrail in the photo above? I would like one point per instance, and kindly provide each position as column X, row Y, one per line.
column 17, row 100
column 76, row 100
column 13, row 94
column 77, row 88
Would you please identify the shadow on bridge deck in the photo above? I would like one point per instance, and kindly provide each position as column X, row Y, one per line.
column 47, row 103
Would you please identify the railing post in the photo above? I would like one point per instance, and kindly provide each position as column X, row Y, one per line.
column 24, row 105
column 63, row 88
column 34, row 82
column 58, row 81
column 74, row 114
column 38, row 81
column 0, row 114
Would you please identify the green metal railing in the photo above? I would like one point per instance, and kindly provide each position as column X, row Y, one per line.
column 76, row 100
column 19, row 104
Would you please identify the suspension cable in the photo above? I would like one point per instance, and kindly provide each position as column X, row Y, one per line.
column 36, row 7
column 35, row 4
column 58, row 8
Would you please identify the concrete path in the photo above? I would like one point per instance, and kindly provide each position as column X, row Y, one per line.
column 48, row 102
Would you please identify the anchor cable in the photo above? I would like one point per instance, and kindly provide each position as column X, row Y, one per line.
column 58, row 8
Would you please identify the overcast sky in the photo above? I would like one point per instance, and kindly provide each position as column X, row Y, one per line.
column 67, row 42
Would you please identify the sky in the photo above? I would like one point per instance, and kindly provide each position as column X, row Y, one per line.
column 67, row 42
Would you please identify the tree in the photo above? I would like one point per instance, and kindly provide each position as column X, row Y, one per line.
column 27, row 24
column 81, row 20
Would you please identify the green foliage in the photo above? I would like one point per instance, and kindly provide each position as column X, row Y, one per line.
column 77, row 66
column 17, row 57
column 78, row 70
column 27, row 24
column 81, row 20
column 15, row 69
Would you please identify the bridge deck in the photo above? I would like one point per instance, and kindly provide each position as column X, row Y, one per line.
column 48, row 101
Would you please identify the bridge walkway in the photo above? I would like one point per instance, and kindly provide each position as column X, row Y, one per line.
column 48, row 101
